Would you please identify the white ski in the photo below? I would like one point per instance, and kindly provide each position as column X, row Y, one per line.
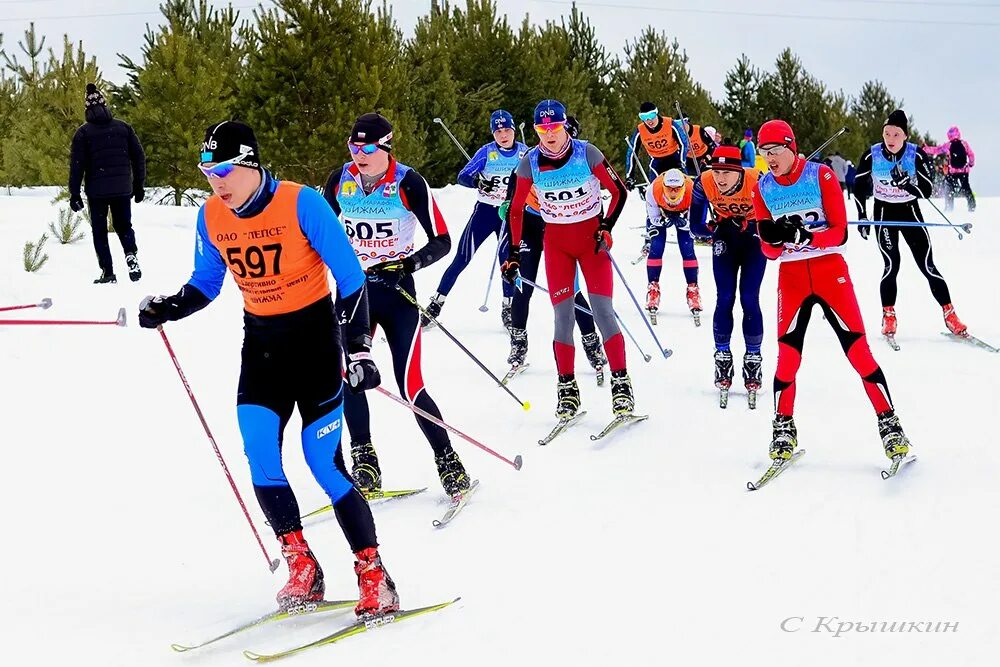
column 458, row 501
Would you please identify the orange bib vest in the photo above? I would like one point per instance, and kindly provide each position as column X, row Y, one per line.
column 271, row 260
column 662, row 143
column 739, row 203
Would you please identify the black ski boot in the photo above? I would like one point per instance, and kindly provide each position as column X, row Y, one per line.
column 723, row 369
column 518, row 347
column 506, row 313
column 365, row 471
column 452, row 473
column 594, row 350
column 567, row 397
column 622, row 399
column 784, row 437
column 433, row 309
column 134, row 272
column 106, row 278
column 893, row 439
column 752, row 370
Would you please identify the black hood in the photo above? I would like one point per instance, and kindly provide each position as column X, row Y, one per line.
column 98, row 113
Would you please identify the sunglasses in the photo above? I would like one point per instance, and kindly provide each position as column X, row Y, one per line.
column 649, row 115
column 549, row 127
column 773, row 150
column 367, row 149
column 222, row 169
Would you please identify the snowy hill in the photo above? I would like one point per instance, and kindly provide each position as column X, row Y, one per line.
column 122, row 535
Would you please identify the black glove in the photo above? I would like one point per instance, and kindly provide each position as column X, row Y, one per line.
column 739, row 222
column 155, row 310
column 362, row 373
column 899, row 178
column 864, row 230
column 488, row 185
column 781, row 231
column 393, row 271
column 642, row 191
column 76, row 203
column 510, row 269
column 138, row 193
column 629, row 183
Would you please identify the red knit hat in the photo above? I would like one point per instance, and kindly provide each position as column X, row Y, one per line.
column 777, row 132
column 726, row 157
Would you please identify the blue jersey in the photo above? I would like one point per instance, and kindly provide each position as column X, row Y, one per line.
column 570, row 193
column 492, row 164
column 882, row 168
column 801, row 202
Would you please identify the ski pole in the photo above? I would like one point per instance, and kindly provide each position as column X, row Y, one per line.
column 666, row 352
column 409, row 297
column 120, row 322
column 460, row 147
column 483, row 308
column 271, row 564
column 43, row 304
column 967, row 227
column 836, row 135
column 631, row 147
column 516, row 463
column 521, row 127
column 645, row 356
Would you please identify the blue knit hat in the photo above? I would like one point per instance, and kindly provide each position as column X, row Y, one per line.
column 550, row 111
column 501, row 120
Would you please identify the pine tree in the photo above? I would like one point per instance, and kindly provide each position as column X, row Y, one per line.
column 8, row 105
column 186, row 81
column 741, row 108
column 313, row 66
column 792, row 94
column 50, row 109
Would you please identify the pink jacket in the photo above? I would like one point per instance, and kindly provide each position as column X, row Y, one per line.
column 954, row 135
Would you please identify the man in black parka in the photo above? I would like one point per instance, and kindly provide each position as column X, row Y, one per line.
column 107, row 155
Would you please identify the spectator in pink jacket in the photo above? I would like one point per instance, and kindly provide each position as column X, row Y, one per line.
column 961, row 160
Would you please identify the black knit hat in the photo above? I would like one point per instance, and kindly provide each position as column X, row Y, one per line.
column 646, row 107
column 231, row 140
column 372, row 128
column 93, row 97
column 898, row 119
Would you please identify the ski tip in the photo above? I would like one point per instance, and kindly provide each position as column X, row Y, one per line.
column 250, row 655
column 45, row 303
column 121, row 317
column 518, row 462
column 885, row 474
column 274, row 565
column 180, row 648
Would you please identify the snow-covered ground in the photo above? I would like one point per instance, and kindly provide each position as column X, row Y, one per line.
column 122, row 535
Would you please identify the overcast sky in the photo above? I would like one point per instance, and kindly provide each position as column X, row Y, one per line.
column 940, row 56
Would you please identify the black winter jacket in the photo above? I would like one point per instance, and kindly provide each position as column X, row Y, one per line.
column 106, row 154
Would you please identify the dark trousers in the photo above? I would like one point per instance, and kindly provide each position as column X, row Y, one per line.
column 737, row 260
column 919, row 241
column 289, row 361
column 400, row 321
column 121, row 215
column 958, row 184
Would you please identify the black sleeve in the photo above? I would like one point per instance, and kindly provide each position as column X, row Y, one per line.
column 138, row 159
column 925, row 175
column 352, row 314
column 863, row 186
column 330, row 190
column 188, row 300
column 418, row 199
column 77, row 160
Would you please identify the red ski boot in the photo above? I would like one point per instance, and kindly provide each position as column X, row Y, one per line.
column 693, row 297
column 888, row 321
column 305, row 576
column 952, row 322
column 653, row 297
column 376, row 593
